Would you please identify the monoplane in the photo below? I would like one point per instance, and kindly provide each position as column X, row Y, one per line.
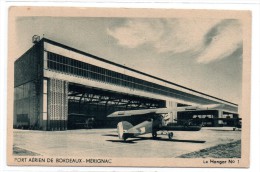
column 156, row 121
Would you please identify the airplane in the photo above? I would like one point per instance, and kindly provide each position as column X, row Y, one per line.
column 155, row 123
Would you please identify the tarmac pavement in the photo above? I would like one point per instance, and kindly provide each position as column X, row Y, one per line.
column 105, row 142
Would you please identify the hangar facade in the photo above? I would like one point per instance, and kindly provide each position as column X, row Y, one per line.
column 57, row 87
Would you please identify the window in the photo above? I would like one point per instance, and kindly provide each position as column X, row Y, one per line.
column 74, row 67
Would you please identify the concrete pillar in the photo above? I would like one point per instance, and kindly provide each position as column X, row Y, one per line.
column 44, row 112
column 173, row 114
column 220, row 115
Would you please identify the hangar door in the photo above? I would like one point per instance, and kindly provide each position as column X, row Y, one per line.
column 87, row 104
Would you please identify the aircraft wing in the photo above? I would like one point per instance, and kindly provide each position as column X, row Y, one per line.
column 162, row 110
column 135, row 112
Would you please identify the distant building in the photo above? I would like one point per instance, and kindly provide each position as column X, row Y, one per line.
column 58, row 87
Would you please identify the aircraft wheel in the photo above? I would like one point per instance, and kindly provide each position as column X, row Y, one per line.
column 170, row 135
column 154, row 135
column 124, row 138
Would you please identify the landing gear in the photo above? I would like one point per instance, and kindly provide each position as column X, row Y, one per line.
column 154, row 134
column 170, row 135
column 124, row 138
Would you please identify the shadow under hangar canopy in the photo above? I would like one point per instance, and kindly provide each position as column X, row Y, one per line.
column 57, row 87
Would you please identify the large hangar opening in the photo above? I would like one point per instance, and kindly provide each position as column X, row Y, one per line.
column 89, row 107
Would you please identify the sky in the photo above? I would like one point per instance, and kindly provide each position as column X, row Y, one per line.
column 204, row 54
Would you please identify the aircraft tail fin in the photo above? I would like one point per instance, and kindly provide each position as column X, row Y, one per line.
column 123, row 127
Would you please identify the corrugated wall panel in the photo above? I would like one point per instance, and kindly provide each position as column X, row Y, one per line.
column 26, row 103
column 29, row 66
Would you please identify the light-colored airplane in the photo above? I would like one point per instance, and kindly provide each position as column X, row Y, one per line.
column 156, row 122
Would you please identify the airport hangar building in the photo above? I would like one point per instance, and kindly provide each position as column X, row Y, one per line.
column 57, row 87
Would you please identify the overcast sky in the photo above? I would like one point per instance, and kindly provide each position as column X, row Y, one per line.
column 204, row 54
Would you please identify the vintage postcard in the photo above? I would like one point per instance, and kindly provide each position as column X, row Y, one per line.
column 128, row 87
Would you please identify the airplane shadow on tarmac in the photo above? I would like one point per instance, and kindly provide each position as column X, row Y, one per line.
column 223, row 130
column 133, row 140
